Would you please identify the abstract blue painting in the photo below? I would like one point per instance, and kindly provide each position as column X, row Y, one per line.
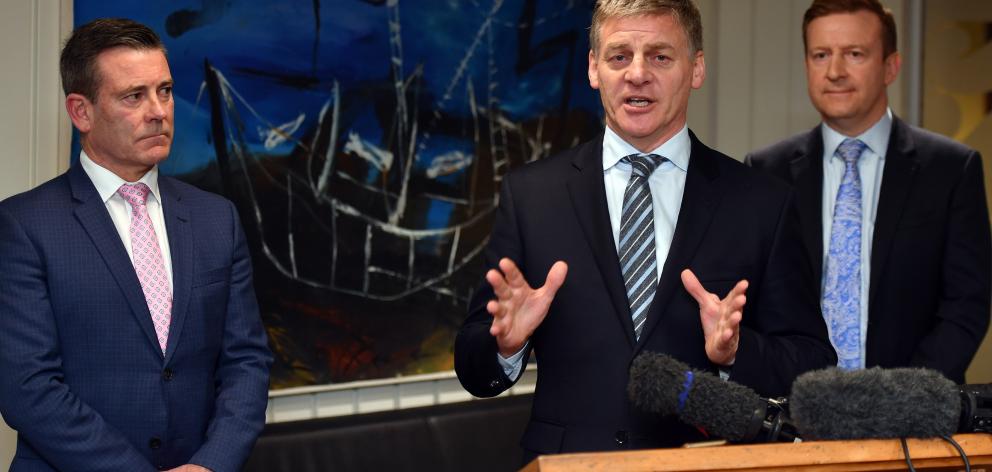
column 363, row 142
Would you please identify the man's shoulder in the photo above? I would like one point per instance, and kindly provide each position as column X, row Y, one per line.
column 52, row 194
column 191, row 194
column 929, row 143
column 588, row 153
column 781, row 152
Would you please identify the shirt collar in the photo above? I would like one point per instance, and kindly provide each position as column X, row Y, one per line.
column 676, row 149
column 876, row 137
column 107, row 182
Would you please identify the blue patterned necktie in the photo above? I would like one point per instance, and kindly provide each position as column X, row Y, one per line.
column 842, row 281
column 637, row 253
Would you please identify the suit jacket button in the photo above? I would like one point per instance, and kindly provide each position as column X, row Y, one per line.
column 154, row 443
column 167, row 374
column 621, row 438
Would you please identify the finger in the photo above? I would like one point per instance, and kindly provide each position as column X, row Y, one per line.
column 498, row 283
column 494, row 308
column 695, row 288
column 510, row 271
column 556, row 277
column 738, row 289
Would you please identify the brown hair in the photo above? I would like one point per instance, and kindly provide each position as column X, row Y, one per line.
column 78, row 61
column 821, row 8
column 684, row 12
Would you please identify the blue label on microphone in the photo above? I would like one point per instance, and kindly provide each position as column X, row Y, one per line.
column 686, row 387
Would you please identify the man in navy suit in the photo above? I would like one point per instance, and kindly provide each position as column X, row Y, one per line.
column 566, row 225
column 130, row 337
column 920, row 281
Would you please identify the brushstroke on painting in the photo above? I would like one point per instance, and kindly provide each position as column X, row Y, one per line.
column 363, row 143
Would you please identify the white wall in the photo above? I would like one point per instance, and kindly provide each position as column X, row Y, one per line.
column 33, row 133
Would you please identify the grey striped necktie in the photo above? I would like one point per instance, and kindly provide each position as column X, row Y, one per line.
column 637, row 254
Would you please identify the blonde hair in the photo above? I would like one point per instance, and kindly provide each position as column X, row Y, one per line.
column 684, row 12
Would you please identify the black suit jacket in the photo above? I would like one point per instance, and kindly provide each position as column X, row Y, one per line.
column 733, row 224
column 928, row 301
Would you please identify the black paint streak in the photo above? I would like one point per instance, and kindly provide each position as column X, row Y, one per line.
column 181, row 21
column 316, row 37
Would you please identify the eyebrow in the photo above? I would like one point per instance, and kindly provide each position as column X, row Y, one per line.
column 138, row 88
column 650, row 46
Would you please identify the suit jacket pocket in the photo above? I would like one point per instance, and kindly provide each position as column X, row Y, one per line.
column 208, row 277
column 542, row 437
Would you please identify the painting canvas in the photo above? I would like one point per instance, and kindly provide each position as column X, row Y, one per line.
column 363, row 142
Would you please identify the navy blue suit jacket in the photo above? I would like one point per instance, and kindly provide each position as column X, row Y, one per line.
column 931, row 259
column 84, row 381
column 733, row 224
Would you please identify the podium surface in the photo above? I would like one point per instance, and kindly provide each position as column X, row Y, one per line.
column 818, row 456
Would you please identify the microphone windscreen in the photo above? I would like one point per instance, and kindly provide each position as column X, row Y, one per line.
column 661, row 384
column 874, row 403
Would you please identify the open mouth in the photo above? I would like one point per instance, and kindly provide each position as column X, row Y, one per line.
column 638, row 102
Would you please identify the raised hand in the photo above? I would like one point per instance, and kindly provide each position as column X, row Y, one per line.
column 519, row 309
column 721, row 319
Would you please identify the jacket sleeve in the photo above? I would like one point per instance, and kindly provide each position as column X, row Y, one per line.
column 242, row 371
column 476, row 364
column 963, row 307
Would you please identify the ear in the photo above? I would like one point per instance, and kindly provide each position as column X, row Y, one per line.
column 593, row 71
column 698, row 70
column 892, row 65
column 80, row 111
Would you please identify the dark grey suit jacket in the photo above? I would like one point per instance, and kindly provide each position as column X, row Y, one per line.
column 929, row 295
column 734, row 223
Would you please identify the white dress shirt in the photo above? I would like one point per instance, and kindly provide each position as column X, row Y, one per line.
column 107, row 183
column 667, row 184
column 870, row 167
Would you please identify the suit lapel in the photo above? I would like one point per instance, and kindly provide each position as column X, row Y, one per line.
column 177, row 226
column 897, row 180
column 588, row 194
column 807, row 179
column 91, row 213
column 700, row 198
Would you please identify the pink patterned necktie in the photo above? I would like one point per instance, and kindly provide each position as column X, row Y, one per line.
column 148, row 261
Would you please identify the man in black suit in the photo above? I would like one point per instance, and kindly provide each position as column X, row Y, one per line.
column 917, row 255
column 571, row 222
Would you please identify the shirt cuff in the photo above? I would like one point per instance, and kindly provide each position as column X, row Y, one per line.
column 513, row 365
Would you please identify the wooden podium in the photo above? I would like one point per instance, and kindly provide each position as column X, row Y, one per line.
column 873, row 454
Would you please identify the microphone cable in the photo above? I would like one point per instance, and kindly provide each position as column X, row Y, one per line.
column 964, row 457
column 905, row 454
column 950, row 440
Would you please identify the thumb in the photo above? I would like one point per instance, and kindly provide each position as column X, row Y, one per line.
column 693, row 286
column 556, row 277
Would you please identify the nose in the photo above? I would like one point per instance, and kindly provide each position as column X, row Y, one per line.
column 637, row 73
column 157, row 108
column 836, row 68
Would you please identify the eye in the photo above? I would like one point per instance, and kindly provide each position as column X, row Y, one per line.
column 818, row 55
column 618, row 58
column 131, row 98
column 165, row 92
column 662, row 58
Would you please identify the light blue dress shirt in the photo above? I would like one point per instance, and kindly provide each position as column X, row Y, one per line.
column 667, row 184
column 870, row 167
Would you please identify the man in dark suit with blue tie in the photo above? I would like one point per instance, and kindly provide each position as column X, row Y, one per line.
column 632, row 239
column 893, row 216
column 130, row 337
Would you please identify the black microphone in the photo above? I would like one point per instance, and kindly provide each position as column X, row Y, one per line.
column 875, row 403
column 660, row 384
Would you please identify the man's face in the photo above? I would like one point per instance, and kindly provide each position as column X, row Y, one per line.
column 846, row 73
column 643, row 70
column 128, row 129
